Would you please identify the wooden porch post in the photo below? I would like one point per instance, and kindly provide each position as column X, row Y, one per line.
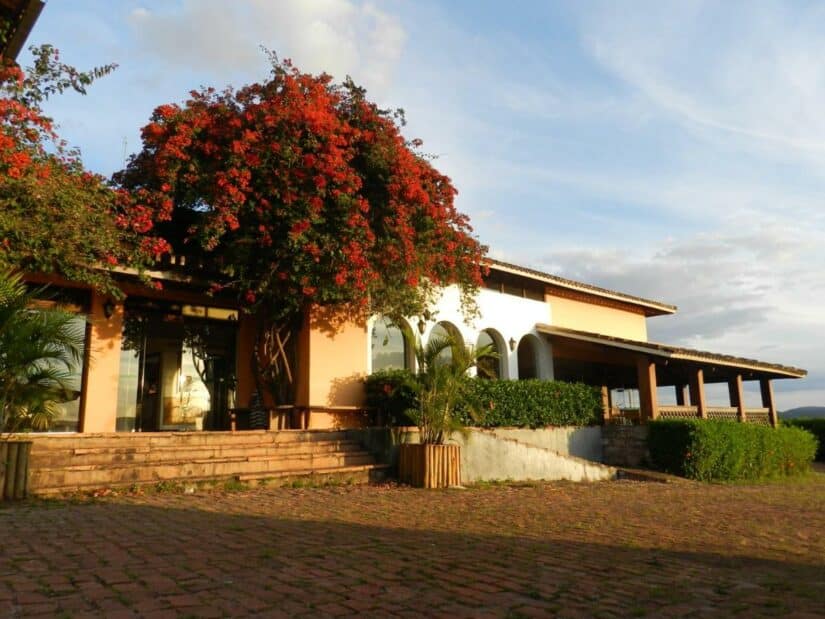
column 768, row 401
column 648, row 400
column 737, row 396
column 697, row 393
column 682, row 395
column 607, row 406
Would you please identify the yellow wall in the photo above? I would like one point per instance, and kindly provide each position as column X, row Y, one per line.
column 587, row 316
column 337, row 362
column 103, row 367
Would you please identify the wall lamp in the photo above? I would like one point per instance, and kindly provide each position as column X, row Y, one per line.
column 422, row 326
column 512, row 344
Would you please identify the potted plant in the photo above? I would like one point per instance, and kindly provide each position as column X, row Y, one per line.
column 441, row 384
column 39, row 349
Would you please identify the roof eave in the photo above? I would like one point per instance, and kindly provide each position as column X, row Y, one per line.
column 649, row 306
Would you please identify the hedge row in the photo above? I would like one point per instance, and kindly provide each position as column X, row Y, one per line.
column 501, row 403
column 815, row 427
column 726, row 451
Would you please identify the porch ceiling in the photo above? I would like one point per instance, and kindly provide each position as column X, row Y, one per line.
column 672, row 361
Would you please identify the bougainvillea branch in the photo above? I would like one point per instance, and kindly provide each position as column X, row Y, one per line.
column 56, row 217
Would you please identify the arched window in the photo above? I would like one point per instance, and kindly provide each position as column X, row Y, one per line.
column 490, row 367
column 446, row 330
column 389, row 346
column 528, row 358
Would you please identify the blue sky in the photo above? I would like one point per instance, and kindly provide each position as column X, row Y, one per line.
column 674, row 150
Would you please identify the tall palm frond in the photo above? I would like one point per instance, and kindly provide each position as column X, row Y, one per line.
column 39, row 351
column 441, row 384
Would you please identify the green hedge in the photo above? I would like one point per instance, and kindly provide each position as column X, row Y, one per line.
column 503, row 403
column 726, row 451
column 815, row 427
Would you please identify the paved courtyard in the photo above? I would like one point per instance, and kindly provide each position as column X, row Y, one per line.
column 577, row 550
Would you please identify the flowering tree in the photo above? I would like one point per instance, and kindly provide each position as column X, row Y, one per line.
column 303, row 193
column 55, row 217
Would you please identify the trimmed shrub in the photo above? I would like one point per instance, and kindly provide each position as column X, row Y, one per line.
column 535, row 403
column 505, row 403
column 727, row 451
column 815, row 427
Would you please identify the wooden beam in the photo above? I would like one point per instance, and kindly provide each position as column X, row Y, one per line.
column 648, row 400
column 682, row 395
column 697, row 392
column 737, row 396
column 768, row 401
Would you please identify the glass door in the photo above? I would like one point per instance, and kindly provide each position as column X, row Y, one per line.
column 177, row 371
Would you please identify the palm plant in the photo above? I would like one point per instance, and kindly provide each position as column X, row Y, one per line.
column 39, row 351
column 441, row 384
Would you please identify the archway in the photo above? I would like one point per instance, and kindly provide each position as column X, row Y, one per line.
column 492, row 367
column 528, row 357
column 389, row 348
column 446, row 330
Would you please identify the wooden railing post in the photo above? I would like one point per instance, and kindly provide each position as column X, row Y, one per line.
column 697, row 393
column 737, row 397
column 648, row 400
column 767, row 400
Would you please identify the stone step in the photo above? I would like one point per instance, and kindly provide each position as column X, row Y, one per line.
column 71, row 477
column 356, row 474
column 48, row 457
column 158, row 439
column 376, row 472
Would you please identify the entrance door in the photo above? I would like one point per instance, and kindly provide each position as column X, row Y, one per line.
column 177, row 370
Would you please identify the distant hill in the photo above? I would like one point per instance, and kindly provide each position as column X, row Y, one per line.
column 804, row 411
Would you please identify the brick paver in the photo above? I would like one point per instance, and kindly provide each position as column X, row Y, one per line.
column 576, row 550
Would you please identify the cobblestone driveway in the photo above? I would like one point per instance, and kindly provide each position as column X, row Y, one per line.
column 589, row 550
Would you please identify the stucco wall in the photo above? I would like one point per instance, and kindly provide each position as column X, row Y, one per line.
column 572, row 441
column 103, row 370
column 584, row 316
column 337, row 363
column 488, row 455
column 508, row 316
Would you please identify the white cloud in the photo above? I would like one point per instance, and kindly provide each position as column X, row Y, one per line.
column 223, row 39
column 751, row 71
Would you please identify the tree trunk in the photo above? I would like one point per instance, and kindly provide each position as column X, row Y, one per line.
column 274, row 359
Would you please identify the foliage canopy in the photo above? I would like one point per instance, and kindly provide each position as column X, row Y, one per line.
column 302, row 192
column 55, row 217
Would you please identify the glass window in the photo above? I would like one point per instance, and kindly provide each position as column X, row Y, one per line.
column 389, row 348
column 68, row 415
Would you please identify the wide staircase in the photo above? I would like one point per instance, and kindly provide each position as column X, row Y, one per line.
column 69, row 463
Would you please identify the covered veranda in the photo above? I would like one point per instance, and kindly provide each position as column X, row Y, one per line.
column 613, row 363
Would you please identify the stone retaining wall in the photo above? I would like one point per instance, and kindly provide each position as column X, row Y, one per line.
column 625, row 445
